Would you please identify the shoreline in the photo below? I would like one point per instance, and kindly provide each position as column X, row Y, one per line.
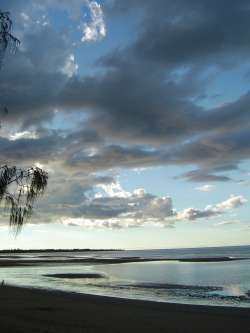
column 35, row 310
column 9, row 262
column 113, row 299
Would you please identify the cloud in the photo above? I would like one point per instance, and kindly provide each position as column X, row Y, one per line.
column 113, row 190
column 203, row 176
column 105, row 204
column 70, row 67
column 231, row 203
column 116, row 209
column 102, row 203
column 138, row 106
column 110, row 224
column 96, row 28
column 114, row 156
column 193, row 214
column 244, row 183
column 226, row 223
column 32, row 78
column 113, row 202
column 205, row 188
column 23, row 135
column 145, row 112
column 190, row 33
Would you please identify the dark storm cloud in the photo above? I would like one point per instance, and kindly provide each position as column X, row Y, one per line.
column 195, row 32
column 216, row 152
column 114, row 156
column 203, row 176
column 151, row 110
column 134, row 104
column 190, row 32
column 45, row 146
column 35, row 6
column 31, row 80
column 141, row 106
column 23, row 150
column 138, row 102
column 174, row 36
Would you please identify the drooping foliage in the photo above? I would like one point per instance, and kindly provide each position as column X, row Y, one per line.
column 7, row 40
column 19, row 188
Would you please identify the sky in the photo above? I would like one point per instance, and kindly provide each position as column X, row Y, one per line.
column 139, row 112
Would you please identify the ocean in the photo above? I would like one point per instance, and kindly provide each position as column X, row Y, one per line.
column 223, row 283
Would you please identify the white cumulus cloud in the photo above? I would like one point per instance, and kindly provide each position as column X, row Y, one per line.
column 96, row 28
column 232, row 202
column 114, row 208
column 192, row 214
column 70, row 66
column 205, row 188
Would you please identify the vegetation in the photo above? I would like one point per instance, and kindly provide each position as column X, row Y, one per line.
column 19, row 188
column 7, row 40
column 55, row 250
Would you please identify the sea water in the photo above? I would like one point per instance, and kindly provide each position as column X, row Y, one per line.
column 211, row 283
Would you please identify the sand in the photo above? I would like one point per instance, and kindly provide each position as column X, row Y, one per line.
column 32, row 310
column 77, row 275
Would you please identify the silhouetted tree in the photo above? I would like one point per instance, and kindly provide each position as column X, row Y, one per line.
column 19, row 188
column 7, row 40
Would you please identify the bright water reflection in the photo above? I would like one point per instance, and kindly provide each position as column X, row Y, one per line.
column 221, row 283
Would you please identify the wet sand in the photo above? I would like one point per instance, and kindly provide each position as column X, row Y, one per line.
column 77, row 276
column 31, row 310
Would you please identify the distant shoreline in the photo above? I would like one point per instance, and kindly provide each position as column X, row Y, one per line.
column 10, row 262
column 103, row 250
column 57, row 250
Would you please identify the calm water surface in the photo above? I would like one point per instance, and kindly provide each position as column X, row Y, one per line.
column 214, row 283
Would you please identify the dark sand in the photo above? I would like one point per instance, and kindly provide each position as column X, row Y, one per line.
column 26, row 310
column 77, row 276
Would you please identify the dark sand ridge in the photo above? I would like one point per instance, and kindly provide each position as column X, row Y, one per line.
column 77, row 275
column 31, row 262
column 38, row 311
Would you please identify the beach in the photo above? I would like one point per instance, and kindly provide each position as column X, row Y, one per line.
column 32, row 310
column 213, row 277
